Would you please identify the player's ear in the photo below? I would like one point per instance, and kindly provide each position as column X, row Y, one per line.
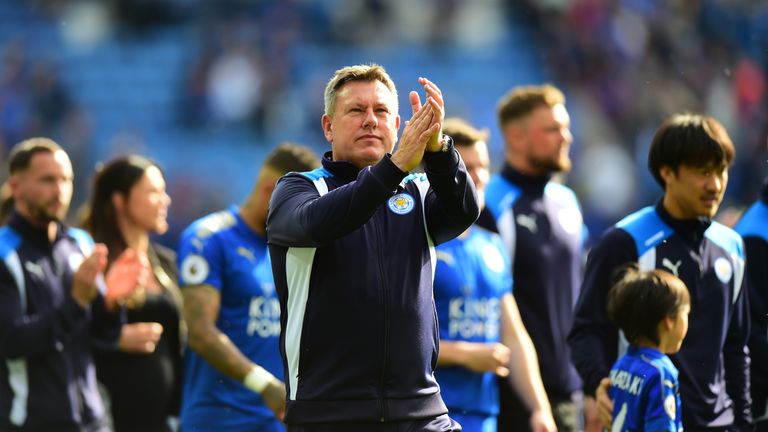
column 327, row 122
column 668, row 322
column 667, row 173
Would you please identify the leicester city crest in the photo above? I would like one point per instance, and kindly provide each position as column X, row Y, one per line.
column 401, row 203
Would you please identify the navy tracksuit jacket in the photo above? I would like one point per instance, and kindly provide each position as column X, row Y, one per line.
column 353, row 257
column 47, row 375
column 753, row 226
column 714, row 360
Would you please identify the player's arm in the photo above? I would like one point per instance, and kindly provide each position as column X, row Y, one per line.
column 593, row 339
column 300, row 217
column 475, row 356
column 736, row 359
column 201, row 309
column 451, row 201
column 524, row 366
column 23, row 334
column 756, row 249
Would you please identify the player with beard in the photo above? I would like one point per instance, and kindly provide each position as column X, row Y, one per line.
column 540, row 222
column 54, row 303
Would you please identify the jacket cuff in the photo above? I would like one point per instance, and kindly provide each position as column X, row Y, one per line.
column 72, row 312
column 387, row 173
column 441, row 162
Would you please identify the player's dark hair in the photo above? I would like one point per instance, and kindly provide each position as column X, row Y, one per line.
column 289, row 157
column 638, row 301
column 463, row 133
column 692, row 140
column 22, row 153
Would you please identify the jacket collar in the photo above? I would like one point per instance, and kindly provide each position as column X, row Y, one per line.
column 530, row 184
column 34, row 233
column 691, row 230
column 344, row 170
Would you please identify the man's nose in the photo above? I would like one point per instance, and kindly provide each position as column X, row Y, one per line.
column 370, row 120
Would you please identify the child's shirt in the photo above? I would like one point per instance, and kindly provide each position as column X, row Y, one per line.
column 645, row 392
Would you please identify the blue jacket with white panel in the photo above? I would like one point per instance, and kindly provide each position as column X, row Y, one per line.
column 714, row 359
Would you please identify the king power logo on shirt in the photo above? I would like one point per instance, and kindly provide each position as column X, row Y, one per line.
column 471, row 318
column 264, row 317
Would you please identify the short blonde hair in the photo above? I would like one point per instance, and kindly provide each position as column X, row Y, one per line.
column 463, row 133
column 368, row 72
column 521, row 101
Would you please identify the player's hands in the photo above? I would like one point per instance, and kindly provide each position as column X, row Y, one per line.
column 130, row 271
column 140, row 338
column 591, row 419
column 542, row 421
column 274, row 397
column 84, row 285
column 604, row 403
column 487, row 357
column 435, row 98
column 410, row 148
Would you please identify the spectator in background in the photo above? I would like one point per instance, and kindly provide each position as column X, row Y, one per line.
column 753, row 227
column 232, row 311
column 689, row 157
column 54, row 304
column 481, row 333
column 540, row 222
column 142, row 376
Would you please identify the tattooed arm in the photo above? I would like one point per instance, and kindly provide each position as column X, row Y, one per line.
column 201, row 309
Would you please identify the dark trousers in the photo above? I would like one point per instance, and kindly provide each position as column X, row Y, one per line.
column 441, row 423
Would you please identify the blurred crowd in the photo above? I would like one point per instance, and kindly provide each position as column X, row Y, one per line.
column 249, row 67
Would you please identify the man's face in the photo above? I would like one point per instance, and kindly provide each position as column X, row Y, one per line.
column 364, row 124
column 547, row 139
column 43, row 191
column 476, row 159
column 692, row 192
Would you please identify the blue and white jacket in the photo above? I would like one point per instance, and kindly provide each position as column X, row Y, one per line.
column 47, row 375
column 353, row 255
column 714, row 360
column 541, row 225
column 753, row 226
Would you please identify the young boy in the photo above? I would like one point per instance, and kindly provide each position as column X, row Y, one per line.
column 651, row 308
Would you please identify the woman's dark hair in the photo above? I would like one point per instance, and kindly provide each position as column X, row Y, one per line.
column 640, row 300
column 119, row 175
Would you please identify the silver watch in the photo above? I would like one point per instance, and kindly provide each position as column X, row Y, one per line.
column 446, row 142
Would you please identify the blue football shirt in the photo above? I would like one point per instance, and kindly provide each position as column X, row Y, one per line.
column 471, row 277
column 645, row 392
column 220, row 250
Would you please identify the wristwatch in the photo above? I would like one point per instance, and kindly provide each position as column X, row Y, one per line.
column 446, row 142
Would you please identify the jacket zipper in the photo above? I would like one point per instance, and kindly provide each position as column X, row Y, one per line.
column 382, row 409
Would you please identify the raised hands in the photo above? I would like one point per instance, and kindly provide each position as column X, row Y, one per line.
column 140, row 337
column 84, row 282
column 434, row 98
column 422, row 131
column 129, row 272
